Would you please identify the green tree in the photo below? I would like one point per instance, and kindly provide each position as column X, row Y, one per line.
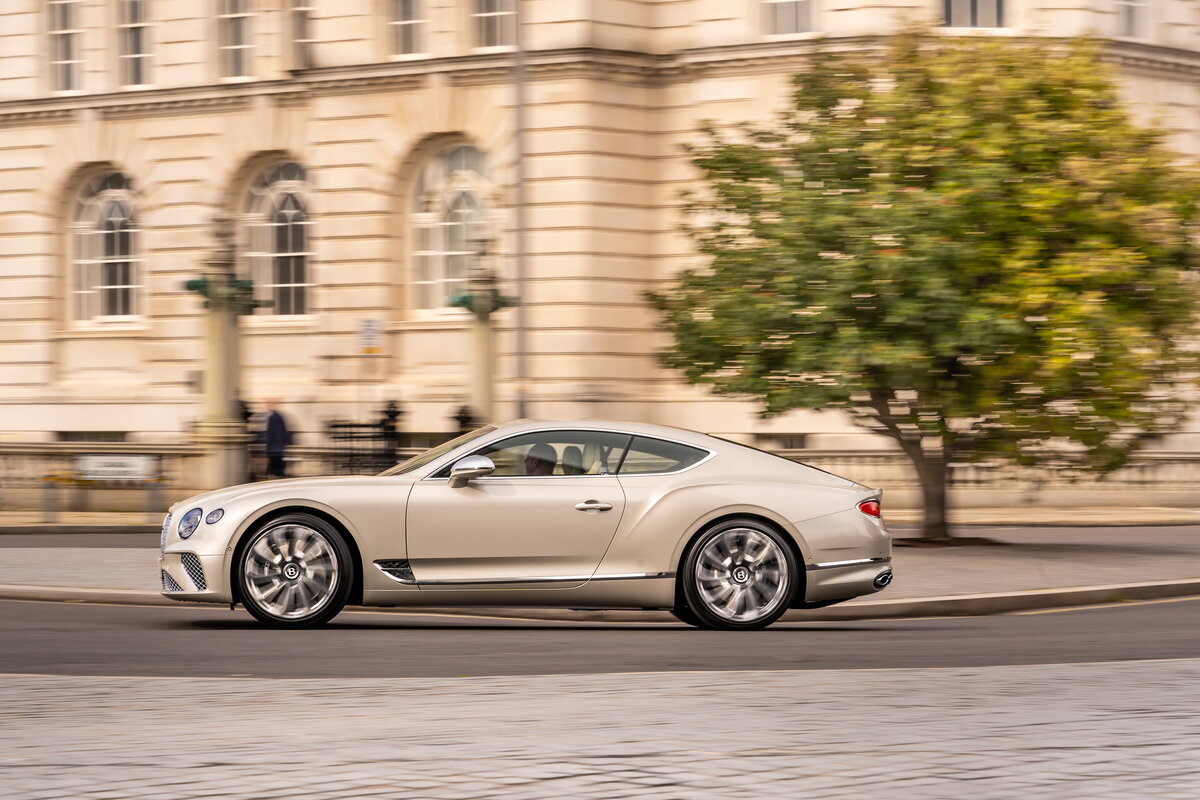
column 966, row 245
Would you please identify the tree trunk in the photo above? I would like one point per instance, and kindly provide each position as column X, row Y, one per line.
column 931, row 469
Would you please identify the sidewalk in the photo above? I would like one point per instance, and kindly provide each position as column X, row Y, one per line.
column 1033, row 568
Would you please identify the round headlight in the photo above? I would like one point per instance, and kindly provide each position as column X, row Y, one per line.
column 189, row 522
column 214, row 516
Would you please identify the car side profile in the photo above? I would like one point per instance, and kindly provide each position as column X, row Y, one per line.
column 575, row 514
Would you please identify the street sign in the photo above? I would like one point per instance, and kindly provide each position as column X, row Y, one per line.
column 97, row 467
column 370, row 336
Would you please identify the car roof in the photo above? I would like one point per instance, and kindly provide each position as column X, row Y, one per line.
column 643, row 428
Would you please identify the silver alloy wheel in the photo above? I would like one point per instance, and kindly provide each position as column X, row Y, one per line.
column 291, row 571
column 741, row 575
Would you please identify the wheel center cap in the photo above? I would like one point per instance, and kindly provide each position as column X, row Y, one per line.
column 740, row 574
column 291, row 571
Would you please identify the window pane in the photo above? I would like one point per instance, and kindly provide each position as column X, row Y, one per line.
column 648, row 456
column 456, row 267
column 988, row 13
column 296, row 236
column 555, row 453
column 785, row 17
column 959, row 13
column 804, row 16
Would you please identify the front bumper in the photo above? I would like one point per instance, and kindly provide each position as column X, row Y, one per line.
column 191, row 577
column 829, row 582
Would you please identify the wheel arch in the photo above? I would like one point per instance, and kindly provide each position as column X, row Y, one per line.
column 266, row 515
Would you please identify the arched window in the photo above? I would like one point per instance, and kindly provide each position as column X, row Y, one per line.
column 449, row 225
column 104, row 263
column 276, row 235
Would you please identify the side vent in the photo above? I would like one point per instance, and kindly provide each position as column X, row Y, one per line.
column 396, row 569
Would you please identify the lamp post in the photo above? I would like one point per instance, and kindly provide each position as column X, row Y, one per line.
column 482, row 299
column 221, row 433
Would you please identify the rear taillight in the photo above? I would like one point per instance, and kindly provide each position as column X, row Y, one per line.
column 869, row 507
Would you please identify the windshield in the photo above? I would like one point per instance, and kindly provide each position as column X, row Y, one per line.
column 433, row 454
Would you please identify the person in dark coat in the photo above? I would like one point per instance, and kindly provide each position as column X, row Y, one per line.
column 277, row 438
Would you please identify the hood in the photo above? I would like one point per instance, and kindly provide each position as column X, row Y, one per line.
column 218, row 497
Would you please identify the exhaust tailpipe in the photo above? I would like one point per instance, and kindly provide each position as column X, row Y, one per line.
column 883, row 579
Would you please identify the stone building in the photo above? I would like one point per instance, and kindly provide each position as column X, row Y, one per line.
column 366, row 150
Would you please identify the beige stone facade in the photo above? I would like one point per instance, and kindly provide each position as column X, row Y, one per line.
column 614, row 87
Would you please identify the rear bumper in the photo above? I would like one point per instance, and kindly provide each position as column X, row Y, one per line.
column 844, row 580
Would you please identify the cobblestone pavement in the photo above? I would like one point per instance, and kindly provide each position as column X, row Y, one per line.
column 1033, row 559
column 1095, row 731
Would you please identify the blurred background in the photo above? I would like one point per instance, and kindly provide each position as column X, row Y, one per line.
column 411, row 217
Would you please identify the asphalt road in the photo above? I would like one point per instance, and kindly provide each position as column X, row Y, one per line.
column 75, row 639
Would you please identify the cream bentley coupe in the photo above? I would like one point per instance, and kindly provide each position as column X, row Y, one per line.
column 581, row 514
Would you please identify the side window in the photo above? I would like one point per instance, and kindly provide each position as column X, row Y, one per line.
column 557, row 453
column 647, row 456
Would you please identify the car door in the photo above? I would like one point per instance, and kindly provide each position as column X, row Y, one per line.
column 544, row 518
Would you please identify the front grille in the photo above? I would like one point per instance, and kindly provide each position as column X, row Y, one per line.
column 169, row 584
column 162, row 540
column 191, row 565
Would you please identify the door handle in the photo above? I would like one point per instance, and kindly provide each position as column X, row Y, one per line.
column 593, row 505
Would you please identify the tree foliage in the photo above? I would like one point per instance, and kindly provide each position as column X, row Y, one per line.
column 965, row 244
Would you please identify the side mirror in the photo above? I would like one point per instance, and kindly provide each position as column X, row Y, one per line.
column 470, row 467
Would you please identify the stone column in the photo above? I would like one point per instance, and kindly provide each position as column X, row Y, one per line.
column 483, row 295
column 221, row 433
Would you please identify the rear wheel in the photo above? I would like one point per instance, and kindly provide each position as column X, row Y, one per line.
column 295, row 572
column 739, row 575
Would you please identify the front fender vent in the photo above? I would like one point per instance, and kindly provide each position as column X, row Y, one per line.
column 396, row 569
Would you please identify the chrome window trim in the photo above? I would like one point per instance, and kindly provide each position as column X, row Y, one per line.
column 450, row 456
column 848, row 563
column 630, row 576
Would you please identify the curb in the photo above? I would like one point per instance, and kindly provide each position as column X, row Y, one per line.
column 946, row 606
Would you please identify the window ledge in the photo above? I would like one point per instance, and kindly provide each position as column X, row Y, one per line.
column 123, row 329
column 265, row 323
column 947, row 30
column 496, row 48
column 789, row 37
column 407, row 56
column 437, row 321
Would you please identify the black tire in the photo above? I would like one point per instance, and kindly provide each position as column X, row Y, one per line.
column 685, row 615
column 295, row 571
column 726, row 588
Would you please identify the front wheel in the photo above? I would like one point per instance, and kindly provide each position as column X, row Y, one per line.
column 739, row 575
column 295, row 572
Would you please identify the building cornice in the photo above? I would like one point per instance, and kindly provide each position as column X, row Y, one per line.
column 772, row 57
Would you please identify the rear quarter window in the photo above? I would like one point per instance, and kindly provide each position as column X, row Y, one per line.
column 648, row 456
